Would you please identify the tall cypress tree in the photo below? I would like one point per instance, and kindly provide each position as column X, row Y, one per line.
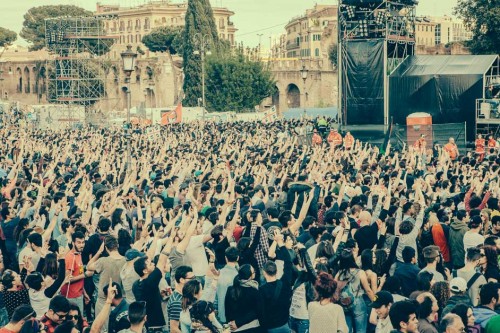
column 199, row 19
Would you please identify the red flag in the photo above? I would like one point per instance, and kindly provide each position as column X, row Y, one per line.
column 172, row 116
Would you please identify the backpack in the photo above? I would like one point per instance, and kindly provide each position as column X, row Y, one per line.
column 345, row 294
column 472, row 279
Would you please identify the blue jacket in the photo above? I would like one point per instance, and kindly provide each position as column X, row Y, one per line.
column 483, row 315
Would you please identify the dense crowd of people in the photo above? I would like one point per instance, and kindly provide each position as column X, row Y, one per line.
column 245, row 227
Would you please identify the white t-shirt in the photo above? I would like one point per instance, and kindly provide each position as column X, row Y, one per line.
column 196, row 257
column 298, row 308
column 472, row 239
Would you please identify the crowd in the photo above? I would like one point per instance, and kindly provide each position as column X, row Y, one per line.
column 245, row 227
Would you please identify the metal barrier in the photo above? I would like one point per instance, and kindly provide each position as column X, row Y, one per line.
column 435, row 133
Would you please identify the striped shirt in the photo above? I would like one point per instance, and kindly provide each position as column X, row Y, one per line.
column 174, row 307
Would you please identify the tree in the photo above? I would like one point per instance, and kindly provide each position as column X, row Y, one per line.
column 34, row 22
column 482, row 17
column 7, row 37
column 332, row 54
column 236, row 83
column 199, row 20
column 165, row 39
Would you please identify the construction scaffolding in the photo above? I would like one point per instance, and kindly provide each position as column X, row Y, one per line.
column 375, row 36
column 77, row 70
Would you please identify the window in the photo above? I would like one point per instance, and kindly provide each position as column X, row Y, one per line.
column 297, row 41
column 316, row 52
column 146, row 24
column 221, row 23
column 138, row 24
column 122, row 26
column 426, row 28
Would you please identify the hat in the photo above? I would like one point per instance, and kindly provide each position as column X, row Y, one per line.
column 133, row 254
column 382, row 298
column 458, row 285
column 197, row 173
column 431, row 251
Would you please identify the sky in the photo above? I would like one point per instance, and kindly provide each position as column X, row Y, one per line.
column 252, row 17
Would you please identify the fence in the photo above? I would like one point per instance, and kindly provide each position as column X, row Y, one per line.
column 435, row 133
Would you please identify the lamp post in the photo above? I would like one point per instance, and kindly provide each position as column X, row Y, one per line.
column 201, row 43
column 128, row 59
column 303, row 73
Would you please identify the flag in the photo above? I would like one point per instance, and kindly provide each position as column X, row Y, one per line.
column 270, row 115
column 172, row 116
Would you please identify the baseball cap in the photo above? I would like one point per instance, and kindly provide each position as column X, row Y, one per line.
column 458, row 285
column 382, row 298
column 133, row 254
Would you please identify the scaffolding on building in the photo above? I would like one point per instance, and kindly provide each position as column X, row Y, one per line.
column 391, row 21
column 77, row 74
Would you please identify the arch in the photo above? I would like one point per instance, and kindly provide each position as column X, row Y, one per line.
column 293, row 96
column 275, row 97
column 19, row 73
column 27, row 79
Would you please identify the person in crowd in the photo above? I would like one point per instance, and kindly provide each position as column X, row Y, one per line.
column 441, row 291
column 118, row 318
column 325, row 316
column 225, row 280
column 407, row 271
column 137, row 315
column 427, row 313
column 73, row 290
column 451, row 323
column 473, row 278
column 458, row 228
column 191, row 293
column 183, row 274
column 489, row 263
column 403, row 315
column 244, row 303
column 22, row 314
column 489, row 300
column 466, row 314
column 59, row 307
column 380, row 312
column 458, row 295
column 76, row 317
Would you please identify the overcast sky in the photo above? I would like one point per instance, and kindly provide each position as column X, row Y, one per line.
column 252, row 17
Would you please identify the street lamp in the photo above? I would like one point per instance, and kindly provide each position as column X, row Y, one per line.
column 128, row 58
column 303, row 73
column 201, row 43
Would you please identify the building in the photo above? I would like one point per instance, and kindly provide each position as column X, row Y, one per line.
column 305, row 44
column 130, row 24
column 425, row 32
column 311, row 35
column 450, row 30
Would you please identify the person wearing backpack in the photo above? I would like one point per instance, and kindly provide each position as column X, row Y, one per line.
column 469, row 273
column 352, row 287
column 324, row 315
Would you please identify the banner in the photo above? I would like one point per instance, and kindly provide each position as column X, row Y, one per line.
column 271, row 114
column 172, row 116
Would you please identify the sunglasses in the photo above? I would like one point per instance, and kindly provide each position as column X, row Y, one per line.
column 70, row 317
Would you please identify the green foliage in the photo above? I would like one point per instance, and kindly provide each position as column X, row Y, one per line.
column 333, row 53
column 199, row 20
column 482, row 17
column 163, row 39
column 235, row 83
column 7, row 37
column 34, row 22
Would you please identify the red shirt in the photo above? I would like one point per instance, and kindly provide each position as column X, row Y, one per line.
column 4, row 330
column 75, row 265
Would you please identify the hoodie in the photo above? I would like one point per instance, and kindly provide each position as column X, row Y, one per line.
column 454, row 300
column 457, row 250
column 483, row 314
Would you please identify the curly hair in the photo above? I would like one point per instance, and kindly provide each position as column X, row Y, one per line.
column 325, row 286
column 441, row 290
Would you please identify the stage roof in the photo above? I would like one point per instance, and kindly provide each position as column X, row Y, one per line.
column 421, row 65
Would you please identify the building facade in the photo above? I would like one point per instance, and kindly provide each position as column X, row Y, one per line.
column 131, row 24
column 305, row 44
column 450, row 30
column 425, row 32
